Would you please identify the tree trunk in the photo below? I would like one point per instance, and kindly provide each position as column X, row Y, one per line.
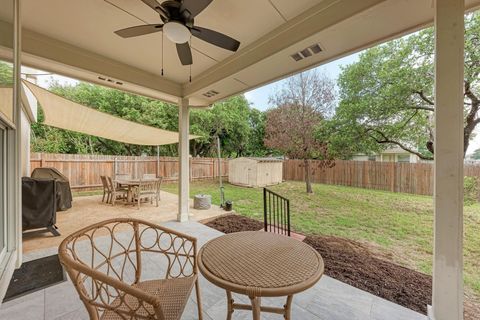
column 307, row 176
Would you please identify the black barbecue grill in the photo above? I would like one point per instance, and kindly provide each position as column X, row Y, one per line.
column 45, row 193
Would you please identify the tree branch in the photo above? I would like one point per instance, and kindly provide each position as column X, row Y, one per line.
column 425, row 98
column 385, row 139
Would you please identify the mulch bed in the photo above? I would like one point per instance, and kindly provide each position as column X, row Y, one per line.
column 353, row 263
column 234, row 223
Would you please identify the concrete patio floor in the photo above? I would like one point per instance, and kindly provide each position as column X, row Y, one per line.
column 87, row 210
column 329, row 299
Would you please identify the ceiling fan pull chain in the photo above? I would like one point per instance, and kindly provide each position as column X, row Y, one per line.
column 162, row 52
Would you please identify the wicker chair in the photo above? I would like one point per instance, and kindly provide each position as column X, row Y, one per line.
column 110, row 270
column 149, row 189
column 116, row 192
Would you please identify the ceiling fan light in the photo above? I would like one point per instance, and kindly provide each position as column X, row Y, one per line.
column 176, row 32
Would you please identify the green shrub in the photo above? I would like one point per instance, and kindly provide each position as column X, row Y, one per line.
column 471, row 190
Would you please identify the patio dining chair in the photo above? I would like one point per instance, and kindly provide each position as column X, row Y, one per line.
column 132, row 269
column 106, row 189
column 116, row 192
column 148, row 190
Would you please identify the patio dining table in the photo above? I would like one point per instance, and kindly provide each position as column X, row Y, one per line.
column 260, row 264
column 131, row 183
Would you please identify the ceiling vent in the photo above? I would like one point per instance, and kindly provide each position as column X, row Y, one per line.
column 307, row 52
column 210, row 93
column 110, row 80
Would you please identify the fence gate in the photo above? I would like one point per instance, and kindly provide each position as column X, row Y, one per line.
column 276, row 213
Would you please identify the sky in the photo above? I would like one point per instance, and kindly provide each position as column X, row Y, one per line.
column 258, row 98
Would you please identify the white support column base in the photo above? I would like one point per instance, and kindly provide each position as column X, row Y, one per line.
column 184, row 154
column 430, row 313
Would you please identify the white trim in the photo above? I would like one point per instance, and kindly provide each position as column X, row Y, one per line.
column 184, row 155
column 447, row 296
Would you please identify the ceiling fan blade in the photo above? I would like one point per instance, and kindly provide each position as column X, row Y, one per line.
column 219, row 39
column 139, row 30
column 184, row 53
column 152, row 4
column 194, row 6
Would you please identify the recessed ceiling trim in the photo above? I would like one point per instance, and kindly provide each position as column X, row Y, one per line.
column 126, row 11
column 278, row 11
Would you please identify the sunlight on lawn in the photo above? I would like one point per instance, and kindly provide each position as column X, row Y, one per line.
column 399, row 226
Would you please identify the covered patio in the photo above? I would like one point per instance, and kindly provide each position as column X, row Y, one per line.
column 88, row 210
column 277, row 38
column 329, row 299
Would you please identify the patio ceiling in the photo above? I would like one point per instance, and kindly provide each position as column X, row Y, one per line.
column 76, row 39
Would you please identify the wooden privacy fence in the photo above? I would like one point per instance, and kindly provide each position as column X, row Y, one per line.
column 416, row 178
column 84, row 171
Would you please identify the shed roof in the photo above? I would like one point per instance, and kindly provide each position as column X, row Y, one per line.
column 260, row 159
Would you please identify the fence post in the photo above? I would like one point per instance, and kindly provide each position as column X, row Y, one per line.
column 392, row 177
column 42, row 161
column 135, row 159
column 191, row 169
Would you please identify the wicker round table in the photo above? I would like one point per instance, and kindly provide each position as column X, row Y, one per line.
column 260, row 264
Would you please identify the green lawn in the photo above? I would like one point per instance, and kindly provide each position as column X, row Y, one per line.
column 397, row 226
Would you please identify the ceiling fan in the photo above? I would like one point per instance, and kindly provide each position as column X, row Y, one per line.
column 178, row 24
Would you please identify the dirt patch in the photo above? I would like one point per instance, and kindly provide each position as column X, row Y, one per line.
column 235, row 223
column 354, row 264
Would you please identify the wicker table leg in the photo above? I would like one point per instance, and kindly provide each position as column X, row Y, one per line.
column 288, row 308
column 256, row 307
column 229, row 305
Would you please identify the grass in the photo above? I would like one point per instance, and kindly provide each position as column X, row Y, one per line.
column 397, row 226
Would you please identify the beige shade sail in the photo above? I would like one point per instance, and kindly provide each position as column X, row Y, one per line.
column 6, row 102
column 65, row 114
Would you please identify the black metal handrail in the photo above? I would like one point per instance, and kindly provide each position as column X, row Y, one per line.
column 276, row 212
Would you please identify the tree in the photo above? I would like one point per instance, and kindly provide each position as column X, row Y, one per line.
column 476, row 154
column 304, row 101
column 387, row 99
column 6, row 74
column 124, row 105
column 238, row 123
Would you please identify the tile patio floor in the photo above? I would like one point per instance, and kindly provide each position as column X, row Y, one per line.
column 328, row 300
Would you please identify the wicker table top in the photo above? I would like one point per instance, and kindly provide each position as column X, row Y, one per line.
column 258, row 263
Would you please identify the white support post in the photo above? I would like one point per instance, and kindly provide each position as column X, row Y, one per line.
column 183, row 153
column 448, row 195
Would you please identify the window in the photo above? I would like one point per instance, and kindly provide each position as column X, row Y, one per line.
column 403, row 158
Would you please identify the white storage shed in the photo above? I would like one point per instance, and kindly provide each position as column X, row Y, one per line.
column 255, row 172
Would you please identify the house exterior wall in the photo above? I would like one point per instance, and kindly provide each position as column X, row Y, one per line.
column 10, row 209
column 389, row 157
